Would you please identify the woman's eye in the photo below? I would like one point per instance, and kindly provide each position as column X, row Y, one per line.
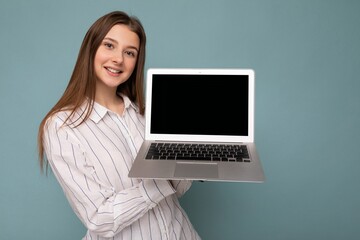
column 130, row 53
column 109, row 45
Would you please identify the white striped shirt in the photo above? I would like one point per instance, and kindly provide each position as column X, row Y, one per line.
column 92, row 161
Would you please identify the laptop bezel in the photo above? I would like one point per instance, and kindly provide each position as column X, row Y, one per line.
column 202, row 138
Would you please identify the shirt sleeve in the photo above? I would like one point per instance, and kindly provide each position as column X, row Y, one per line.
column 103, row 211
column 181, row 186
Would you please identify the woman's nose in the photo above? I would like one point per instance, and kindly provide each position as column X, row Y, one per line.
column 117, row 58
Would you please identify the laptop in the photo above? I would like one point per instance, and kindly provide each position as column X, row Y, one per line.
column 199, row 126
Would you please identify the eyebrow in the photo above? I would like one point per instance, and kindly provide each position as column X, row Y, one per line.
column 114, row 41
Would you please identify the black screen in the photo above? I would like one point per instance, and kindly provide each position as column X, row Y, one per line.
column 200, row 104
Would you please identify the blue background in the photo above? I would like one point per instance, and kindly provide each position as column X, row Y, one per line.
column 306, row 55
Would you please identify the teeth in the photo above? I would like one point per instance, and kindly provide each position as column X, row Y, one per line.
column 113, row 70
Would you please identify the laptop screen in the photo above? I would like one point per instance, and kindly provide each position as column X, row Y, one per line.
column 200, row 104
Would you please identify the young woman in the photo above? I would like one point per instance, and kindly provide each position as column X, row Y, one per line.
column 91, row 137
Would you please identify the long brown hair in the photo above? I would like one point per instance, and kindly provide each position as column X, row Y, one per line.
column 83, row 79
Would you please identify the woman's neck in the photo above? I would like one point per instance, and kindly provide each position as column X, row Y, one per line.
column 109, row 99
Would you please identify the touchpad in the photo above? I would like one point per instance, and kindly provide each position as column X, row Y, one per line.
column 197, row 171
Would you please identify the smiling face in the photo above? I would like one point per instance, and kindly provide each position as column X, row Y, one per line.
column 116, row 58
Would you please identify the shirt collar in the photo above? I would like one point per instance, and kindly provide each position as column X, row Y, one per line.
column 100, row 111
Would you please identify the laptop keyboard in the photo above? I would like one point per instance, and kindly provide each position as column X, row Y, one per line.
column 198, row 152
